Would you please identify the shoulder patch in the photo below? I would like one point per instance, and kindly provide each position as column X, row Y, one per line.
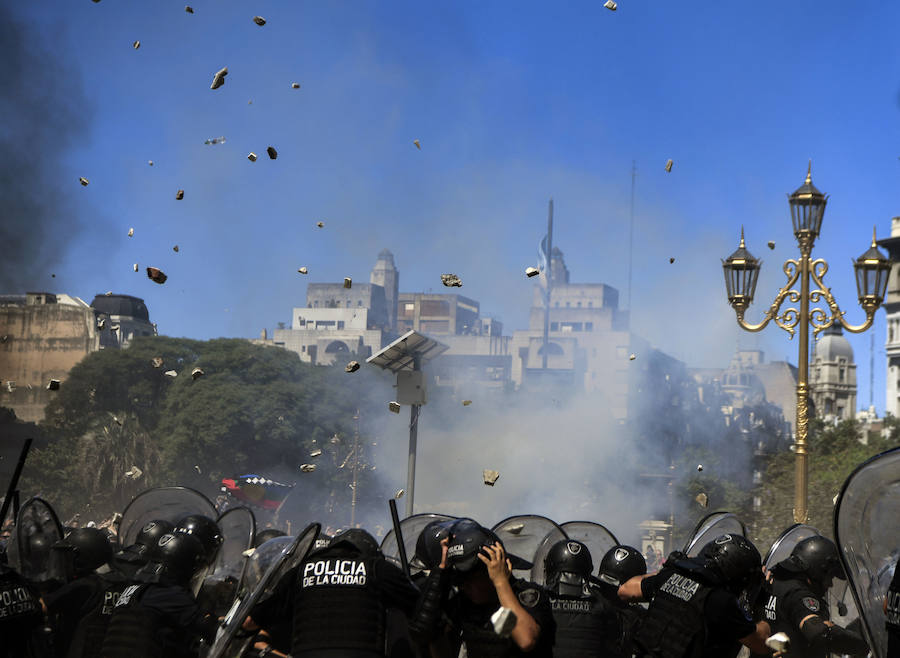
column 529, row 597
column 811, row 604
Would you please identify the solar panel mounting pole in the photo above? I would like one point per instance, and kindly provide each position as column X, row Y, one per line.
column 413, row 440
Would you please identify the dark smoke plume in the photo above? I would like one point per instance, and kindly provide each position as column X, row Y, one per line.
column 43, row 109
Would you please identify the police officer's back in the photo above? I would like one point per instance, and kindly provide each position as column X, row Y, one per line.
column 337, row 599
column 159, row 616
column 20, row 613
column 794, row 601
column 620, row 564
column 694, row 608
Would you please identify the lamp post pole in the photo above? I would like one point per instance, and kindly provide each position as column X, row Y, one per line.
column 741, row 274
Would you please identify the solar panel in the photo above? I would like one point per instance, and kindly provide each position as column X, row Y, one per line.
column 403, row 352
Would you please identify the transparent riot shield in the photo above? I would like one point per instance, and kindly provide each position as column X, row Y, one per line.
column 712, row 526
column 37, row 529
column 231, row 641
column 865, row 530
column 781, row 548
column 595, row 536
column 410, row 527
column 166, row 503
column 265, row 555
column 525, row 536
column 219, row 588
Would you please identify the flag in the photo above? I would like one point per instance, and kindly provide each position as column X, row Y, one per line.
column 257, row 490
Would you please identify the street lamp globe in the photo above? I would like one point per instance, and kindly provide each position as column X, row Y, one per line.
column 872, row 273
column 807, row 209
column 741, row 272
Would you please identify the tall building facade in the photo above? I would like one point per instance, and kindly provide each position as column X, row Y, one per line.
column 892, row 309
column 832, row 376
column 385, row 274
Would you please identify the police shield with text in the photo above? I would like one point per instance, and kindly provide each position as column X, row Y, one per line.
column 794, row 601
column 695, row 610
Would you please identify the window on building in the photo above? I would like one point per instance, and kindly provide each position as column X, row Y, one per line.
column 316, row 304
column 568, row 304
column 841, row 375
column 409, row 306
column 340, row 324
column 554, row 326
column 840, row 411
column 359, row 303
column 303, row 349
column 578, row 305
column 588, row 326
column 829, row 406
column 557, row 304
column 590, row 304
column 891, row 332
column 566, row 328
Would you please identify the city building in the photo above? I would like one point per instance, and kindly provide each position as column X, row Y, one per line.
column 438, row 314
column 385, row 274
column 891, row 307
column 832, row 376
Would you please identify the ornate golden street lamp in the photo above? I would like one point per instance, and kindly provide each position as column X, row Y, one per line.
column 741, row 272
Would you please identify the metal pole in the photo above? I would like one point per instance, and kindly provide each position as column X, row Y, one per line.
column 355, row 471
column 549, row 284
column 14, row 482
column 398, row 535
column 411, row 467
column 800, row 445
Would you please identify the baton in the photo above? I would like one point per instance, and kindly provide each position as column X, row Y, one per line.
column 401, row 547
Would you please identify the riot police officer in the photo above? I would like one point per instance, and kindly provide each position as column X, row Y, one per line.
column 204, row 529
column 620, row 564
column 892, row 614
column 159, row 616
column 795, row 601
column 20, row 613
column 131, row 558
column 694, row 603
column 337, row 599
column 586, row 623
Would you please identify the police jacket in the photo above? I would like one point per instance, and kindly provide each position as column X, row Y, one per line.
column 892, row 616
column 691, row 615
column 95, row 614
column 586, row 626
column 337, row 601
column 20, row 613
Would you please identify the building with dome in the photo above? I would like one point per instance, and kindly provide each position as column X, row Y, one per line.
column 832, row 376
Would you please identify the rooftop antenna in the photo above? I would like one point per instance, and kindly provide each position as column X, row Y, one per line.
column 631, row 232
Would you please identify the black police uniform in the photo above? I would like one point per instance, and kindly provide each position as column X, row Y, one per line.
column 156, row 620
column 691, row 615
column 892, row 616
column 20, row 613
column 94, row 612
column 337, row 601
column 68, row 605
column 586, row 626
column 627, row 617
column 787, row 602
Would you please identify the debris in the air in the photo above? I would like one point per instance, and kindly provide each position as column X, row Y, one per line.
column 295, row 85
column 779, row 643
column 771, row 244
column 114, row 327
column 175, row 248
column 53, row 385
column 307, row 468
column 196, row 373
column 135, row 267
column 84, row 181
column 4, row 338
column 490, row 477
column 250, row 102
column 303, row 270
column 215, row 140
column 136, row 44
column 272, row 152
column 150, row 162
column 179, row 195
column 117, row 421
column 702, row 499
column 259, row 20
column 170, row 373
column 699, row 467
column 219, row 78
column 609, row 4
column 531, row 271
column 249, row 552
column 466, row 403
column 52, row 276
column 156, row 275
column 394, row 407
column 131, row 233
column 515, row 528
column 399, row 493
column 668, row 165
column 10, row 386
column 320, row 224
column 156, row 361
column 451, row 281
column 334, row 440
column 189, row 9
column 353, row 366
column 671, row 260
column 418, row 145
column 504, row 621
column 197, row 468
column 348, row 282
column 251, row 156
column 316, row 452
column 108, row 293
column 632, row 357
column 134, row 473
column 101, row 324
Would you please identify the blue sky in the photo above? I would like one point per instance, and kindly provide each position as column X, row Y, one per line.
column 513, row 103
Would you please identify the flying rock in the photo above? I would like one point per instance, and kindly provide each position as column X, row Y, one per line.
column 303, row 270
column 504, row 621
column 320, row 224
column 170, row 373
column 632, row 357
column 175, row 248
column 131, row 233
column 156, row 275
column 668, row 165
column 156, row 361
column 399, row 494
column 134, row 473
column 53, row 385
column 699, row 467
column 315, row 453
column 307, row 468
column 135, row 267
column 418, row 145
column 136, row 44
column 771, row 244
column 702, row 499
column 197, row 468
column 531, row 271
column 780, row 643
column 179, row 195
column 219, row 78
column 101, row 324
column 609, row 4
column 515, row 528
column 490, row 477
column 251, row 156
column 150, row 162
column 259, row 20
column 671, row 260
column 273, row 154
column 84, row 181
column 348, row 282
column 197, row 373
column 466, row 403
column 451, row 281
column 353, row 366
column 295, row 85
column 189, row 9
column 394, row 407
column 108, row 293
column 215, row 140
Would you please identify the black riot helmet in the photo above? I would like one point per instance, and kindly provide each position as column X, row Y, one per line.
column 358, row 539
column 265, row 535
column 428, row 545
column 466, row 543
column 81, row 551
column 734, row 559
column 816, row 558
column 180, row 555
column 150, row 534
column 568, row 567
column 620, row 564
column 205, row 530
